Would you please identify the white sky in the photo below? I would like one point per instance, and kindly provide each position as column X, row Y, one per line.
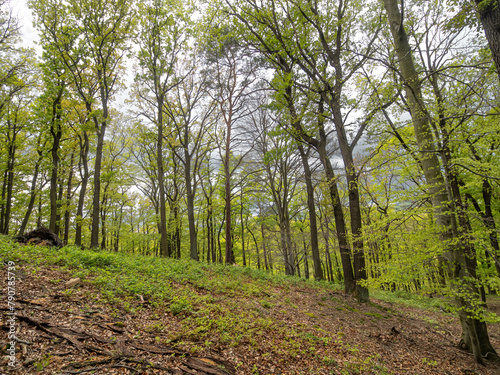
column 23, row 14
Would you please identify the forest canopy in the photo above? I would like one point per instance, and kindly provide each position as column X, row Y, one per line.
column 349, row 141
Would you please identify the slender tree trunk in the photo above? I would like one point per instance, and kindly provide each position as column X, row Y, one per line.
column 84, row 152
column 101, row 132
column 242, row 229
column 227, row 197
column 219, row 245
column 320, row 146
column 60, row 195
column 56, row 132
column 8, row 186
column 354, row 202
column 33, row 191
column 489, row 222
column 289, row 244
column 318, row 272
column 104, row 212
column 193, row 243
column 3, row 200
column 306, row 261
column 256, row 247
column 96, row 201
column 69, row 188
column 165, row 249
column 264, row 247
column 285, row 247
column 118, row 230
column 208, row 223
column 326, row 235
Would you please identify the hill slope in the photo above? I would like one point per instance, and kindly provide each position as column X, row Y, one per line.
column 141, row 315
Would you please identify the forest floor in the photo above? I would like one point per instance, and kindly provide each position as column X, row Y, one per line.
column 140, row 315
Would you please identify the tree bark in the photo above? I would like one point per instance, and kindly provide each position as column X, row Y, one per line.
column 313, row 225
column 165, row 250
column 472, row 337
column 242, row 230
column 193, row 243
column 69, row 188
column 33, row 193
column 56, row 132
column 84, row 152
column 227, row 193
column 8, row 185
column 338, row 213
column 489, row 15
column 100, row 127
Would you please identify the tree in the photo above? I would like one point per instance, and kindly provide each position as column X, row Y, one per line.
column 190, row 115
column 304, row 155
column 91, row 39
column 13, row 125
column 162, row 40
column 234, row 76
column 277, row 154
column 15, row 62
column 474, row 333
column 282, row 31
column 489, row 15
column 51, row 107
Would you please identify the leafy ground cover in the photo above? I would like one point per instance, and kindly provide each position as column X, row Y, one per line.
column 131, row 314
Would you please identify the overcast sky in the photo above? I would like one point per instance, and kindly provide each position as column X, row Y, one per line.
column 23, row 14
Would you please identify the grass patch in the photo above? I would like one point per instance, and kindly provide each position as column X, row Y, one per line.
column 218, row 305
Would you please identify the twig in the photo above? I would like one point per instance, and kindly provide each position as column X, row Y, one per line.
column 124, row 366
column 82, row 371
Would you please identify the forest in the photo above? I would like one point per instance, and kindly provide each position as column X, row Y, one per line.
column 349, row 141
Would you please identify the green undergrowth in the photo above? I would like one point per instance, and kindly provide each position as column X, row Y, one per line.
column 162, row 279
column 214, row 304
column 142, row 274
column 413, row 300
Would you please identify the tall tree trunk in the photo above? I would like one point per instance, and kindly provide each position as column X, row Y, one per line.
column 39, row 213
column 69, row 188
column 264, row 247
column 119, row 227
column 8, row 186
column 256, row 247
column 100, row 127
column 56, row 132
column 104, row 213
column 227, row 198
column 472, row 337
column 489, row 14
column 3, row 200
column 318, row 272
column 285, row 246
column 209, row 234
column 242, row 229
column 33, row 190
column 359, row 265
column 84, row 152
column 320, row 146
column 60, row 195
column 165, row 249
column 489, row 222
column 193, row 243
